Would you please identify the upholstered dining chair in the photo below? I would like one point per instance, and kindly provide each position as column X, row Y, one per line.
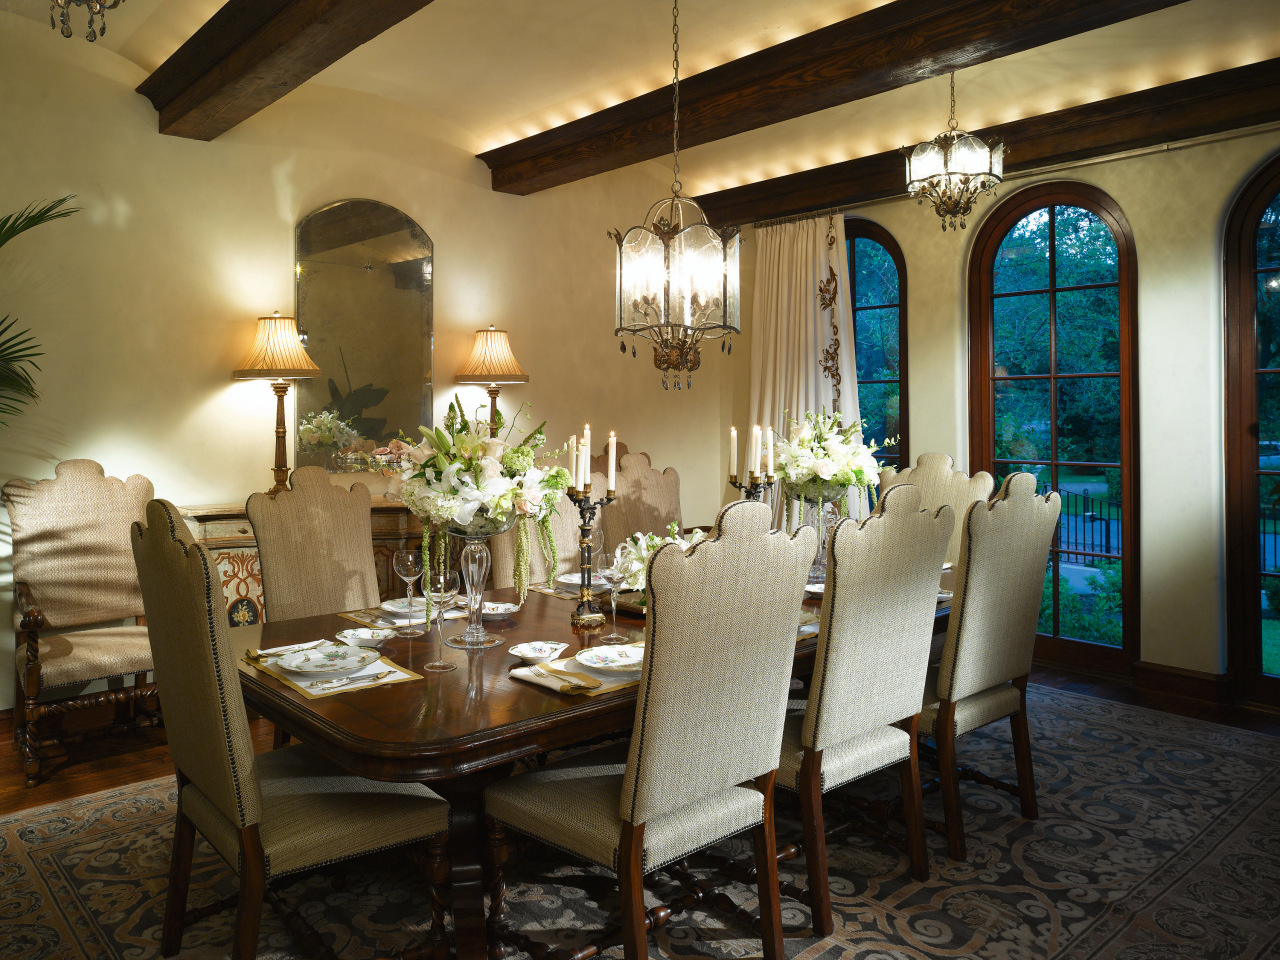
column 982, row 678
column 940, row 484
column 267, row 816
column 646, row 501
column 720, row 640
column 315, row 545
column 873, row 654
column 74, row 581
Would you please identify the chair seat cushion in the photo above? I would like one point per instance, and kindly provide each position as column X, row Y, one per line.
column 313, row 813
column 574, row 806
column 973, row 711
column 87, row 655
column 866, row 753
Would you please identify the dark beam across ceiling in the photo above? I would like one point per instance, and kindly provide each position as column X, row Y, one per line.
column 1230, row 100
column 891, row 46
column 252, row 52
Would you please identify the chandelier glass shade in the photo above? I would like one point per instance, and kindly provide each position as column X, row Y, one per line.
column 953, row 169
column 97, row 9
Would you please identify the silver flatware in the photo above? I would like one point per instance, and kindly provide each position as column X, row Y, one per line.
column 349, row 681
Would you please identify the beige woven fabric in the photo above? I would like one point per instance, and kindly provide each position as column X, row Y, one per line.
column 71, row 543
column 864, row 754
column 313, row 814
column 196, row 671
column 315, row 544
column 720, row 642
column 564, row 523
column 939, row 484
column 646, row 501
column 999, row 583
column 575, row 806
column 877, row 619
column 972, row 712
column 87, row 655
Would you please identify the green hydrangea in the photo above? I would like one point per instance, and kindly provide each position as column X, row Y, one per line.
column 559, row 479
column 517, row 460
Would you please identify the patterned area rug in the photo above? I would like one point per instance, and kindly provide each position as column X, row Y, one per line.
column 1158, row 838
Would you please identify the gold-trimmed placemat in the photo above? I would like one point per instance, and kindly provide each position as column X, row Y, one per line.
column 405, row 674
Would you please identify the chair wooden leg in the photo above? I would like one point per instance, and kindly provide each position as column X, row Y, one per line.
column 815, row 841
column 912, row 811
column 184, row 841
column 496, row 883
column 253, row 885
column 30, row 737
column 280, row 738
column 944, row 735
column 766, row 845
column 438, row 862
column 1022, row 756
column 635, row 940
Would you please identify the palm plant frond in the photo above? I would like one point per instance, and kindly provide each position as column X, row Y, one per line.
column 34, row 214
column 17, row 360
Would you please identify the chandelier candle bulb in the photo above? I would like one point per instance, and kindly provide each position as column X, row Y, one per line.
column 733, row 452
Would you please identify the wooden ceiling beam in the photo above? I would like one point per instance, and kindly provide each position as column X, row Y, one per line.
column 1229, row 100
column 889, row 47
column 252, row 52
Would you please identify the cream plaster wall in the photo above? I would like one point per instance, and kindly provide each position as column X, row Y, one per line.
column 146, row 300
column 1176, row 202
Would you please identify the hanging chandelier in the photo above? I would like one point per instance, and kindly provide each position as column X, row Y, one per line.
column 97, row 8
column 953, row 169
column 677, row 275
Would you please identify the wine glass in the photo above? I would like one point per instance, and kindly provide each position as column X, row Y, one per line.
column 443, row 590
column 613, row 576
column 408, row 567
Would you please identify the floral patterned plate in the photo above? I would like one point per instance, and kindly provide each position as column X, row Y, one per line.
column 598, row 582
column 623, row 658
column 815, row 588
column 365, row 636
column 328, row 661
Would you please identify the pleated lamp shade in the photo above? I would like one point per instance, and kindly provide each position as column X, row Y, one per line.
column 491, row 361
column 277, row 353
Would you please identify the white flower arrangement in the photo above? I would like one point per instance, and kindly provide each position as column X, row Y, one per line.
column 631, row 559
column 323, row 431
column 820, row 459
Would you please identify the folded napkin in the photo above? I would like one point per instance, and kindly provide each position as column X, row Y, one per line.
column 568, row 676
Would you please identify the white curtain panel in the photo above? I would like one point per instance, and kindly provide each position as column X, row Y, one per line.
column 792, row 329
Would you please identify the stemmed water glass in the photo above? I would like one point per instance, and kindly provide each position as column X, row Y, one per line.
column 408, row 567
column 613, row 576
column 443, row 590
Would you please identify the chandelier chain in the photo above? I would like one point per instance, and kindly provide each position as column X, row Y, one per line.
column 675, row 98
column 952, row 124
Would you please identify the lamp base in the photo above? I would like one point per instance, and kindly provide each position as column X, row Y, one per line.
column 281, row 469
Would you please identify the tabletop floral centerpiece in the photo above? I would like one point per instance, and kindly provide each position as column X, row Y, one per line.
column 323, row 432
column 631, row 559
column 461, row 481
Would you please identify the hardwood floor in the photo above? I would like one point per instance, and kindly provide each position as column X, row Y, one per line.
column 105, row 762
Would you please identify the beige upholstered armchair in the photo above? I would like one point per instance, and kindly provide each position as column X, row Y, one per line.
column 940, row 484
column 647, row 501
column 873, row 654
column 1004, row 548
column 74, row 581
column 315, row 544
column 720, row 641
column 267, row 816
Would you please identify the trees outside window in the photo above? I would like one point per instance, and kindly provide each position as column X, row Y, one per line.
column 1052, row 294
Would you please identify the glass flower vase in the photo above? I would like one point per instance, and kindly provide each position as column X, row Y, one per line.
column 476, row 563
column 814, row 496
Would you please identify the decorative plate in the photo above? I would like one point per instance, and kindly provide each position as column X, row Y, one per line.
column 815, row 588
column 329, row 661
column 494, row 610
column 537, row 651
column 622, row 658
column 401, row 604
column 575, row 579
column 365, row 636
column 944, row 596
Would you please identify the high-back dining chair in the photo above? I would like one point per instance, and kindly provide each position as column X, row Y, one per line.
column 873, row 654
column 646, row 501
column 719, row 643
column 315, row 545
column 73, row 581
column 940, row 484
column 1004, row 548
column 564, row 525
column 267, row 816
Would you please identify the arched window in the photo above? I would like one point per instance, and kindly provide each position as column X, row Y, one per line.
column 1252, row 278
column 1052, row 311
column 878, row 276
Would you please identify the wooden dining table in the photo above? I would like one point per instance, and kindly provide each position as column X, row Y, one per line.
column 458, row 731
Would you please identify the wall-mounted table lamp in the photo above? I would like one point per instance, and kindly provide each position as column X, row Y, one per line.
column 277, row 354
column 492, row 363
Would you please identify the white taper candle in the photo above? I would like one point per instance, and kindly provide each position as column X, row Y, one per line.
column 733, row 451
column 613, row 457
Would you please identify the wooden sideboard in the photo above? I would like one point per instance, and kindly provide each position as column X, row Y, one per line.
column 223, row 528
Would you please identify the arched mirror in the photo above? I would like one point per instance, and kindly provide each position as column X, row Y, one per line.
column 364, row 315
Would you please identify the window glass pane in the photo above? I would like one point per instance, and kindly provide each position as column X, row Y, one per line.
column 1022, row 419
column 1089, row 419
column 1269, row 532
column 875, row 275
column 1038, row 470
column 1089, row 330
column 1085, row 251
column 1268, row 327
column 1021, row 344
column 878, row 404
column 1045, row 622
column 1022, row 262
column 1269, row 236
column 1091, row 511
column 876, row 350
column 1089, row 600
column 1268, row 419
